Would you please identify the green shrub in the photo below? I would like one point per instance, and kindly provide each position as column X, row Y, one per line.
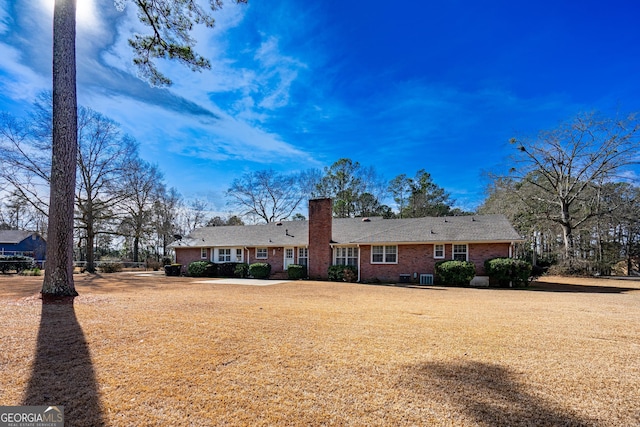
column 506, row 271
column 111, row 267
column 454, row 273
column 260, row 270
column 16, row 263
column 211, row 270
column 227, row 269
column 296, row 272
column 343, row 273
column 197, row 268
column 241, row 270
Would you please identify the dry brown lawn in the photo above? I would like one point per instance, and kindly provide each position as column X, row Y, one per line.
column 160, row 351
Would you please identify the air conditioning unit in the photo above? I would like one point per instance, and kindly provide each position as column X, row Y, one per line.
column 426, row 279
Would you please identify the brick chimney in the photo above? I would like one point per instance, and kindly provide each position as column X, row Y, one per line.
column 320, row 229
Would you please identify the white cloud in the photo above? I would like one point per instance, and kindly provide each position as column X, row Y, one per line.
column 214, row 118
column 5, row 19
column 19, row 81
column 278, row 73
column 160, row 129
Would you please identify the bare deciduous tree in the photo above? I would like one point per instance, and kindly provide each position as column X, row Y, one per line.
column 143, row 183
column 569, row 165
column 166, row 211
column 104, row 155
column 266, row 194
column 25, row 164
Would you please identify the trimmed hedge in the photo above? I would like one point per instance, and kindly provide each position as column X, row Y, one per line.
column 343, row 273
column 242, row 270
column 227, row 269
column 197, row 268
column 211, row 270
column 505, row 271
column 260, row 270
column 16, row 263
column 454, row 273
column 296, row 272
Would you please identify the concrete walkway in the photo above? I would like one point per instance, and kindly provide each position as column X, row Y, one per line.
column 250, row 282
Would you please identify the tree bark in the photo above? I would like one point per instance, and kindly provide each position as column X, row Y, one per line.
column 136, row 244
column 58, row 278
column 567, row 231
column 91, row 237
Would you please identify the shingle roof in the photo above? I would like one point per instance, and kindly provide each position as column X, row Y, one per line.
column 13, row 236
column 464, row 229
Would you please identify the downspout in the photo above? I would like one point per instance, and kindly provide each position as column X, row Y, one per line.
column 332, row 253
column 248, row 254
column 359, row 264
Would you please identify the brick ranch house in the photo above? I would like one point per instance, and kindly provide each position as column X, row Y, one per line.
column 382, row 249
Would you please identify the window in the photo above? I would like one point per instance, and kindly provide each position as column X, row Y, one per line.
column 377, row 253
column 438, row 251
column 261, row 253
column 288, row 253
column 203, row 253
column 238, row 255
column 460, row 252
column 384, row 254
column 303, row 256
column 346, row 256
column 224, row 255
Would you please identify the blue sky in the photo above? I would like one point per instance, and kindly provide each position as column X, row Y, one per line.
column 439, row 86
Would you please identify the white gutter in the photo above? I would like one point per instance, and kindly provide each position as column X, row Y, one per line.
column 359, row 263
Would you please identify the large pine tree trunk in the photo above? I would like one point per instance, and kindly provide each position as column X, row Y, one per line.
column 58, row 278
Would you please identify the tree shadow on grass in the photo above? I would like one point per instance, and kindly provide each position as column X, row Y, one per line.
column 563, row 287
column 487, row 393
column 62, row 373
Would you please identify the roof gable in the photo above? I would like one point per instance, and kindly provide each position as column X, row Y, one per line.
column 14, row 237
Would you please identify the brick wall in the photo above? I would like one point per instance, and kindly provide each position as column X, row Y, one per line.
column 186, row 256
column 411, row 259
column 320, row 233
column 275, row 257
column 419, row 259
column 479, row 252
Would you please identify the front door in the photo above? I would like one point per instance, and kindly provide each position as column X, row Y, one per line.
column 288, row 257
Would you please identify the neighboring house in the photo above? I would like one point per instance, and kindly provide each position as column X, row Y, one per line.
column 382, row 249
column 26, row 243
